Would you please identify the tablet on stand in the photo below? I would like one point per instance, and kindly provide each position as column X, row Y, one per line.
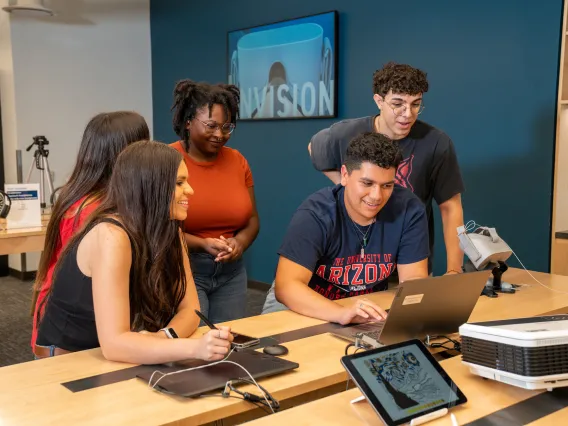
column 403, row 383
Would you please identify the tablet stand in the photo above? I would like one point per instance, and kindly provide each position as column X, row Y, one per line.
column 428, row 417
column 358, row 399
column 417, row 420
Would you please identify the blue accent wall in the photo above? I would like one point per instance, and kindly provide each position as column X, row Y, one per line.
column 493, row 71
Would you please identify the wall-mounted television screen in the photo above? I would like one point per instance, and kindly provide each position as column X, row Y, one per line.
column 286, row 70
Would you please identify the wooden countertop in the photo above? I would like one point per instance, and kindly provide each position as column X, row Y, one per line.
column 485, row 397
column 33, row 393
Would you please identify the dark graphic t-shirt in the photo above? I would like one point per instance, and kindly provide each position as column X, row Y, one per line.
column 429, row 168
column 322, row 238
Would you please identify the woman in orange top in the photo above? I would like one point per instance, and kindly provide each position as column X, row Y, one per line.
column 105, row 136
column 222, row 220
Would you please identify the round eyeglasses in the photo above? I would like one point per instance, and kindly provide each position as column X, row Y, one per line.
column 212, row 126
column 399, row 109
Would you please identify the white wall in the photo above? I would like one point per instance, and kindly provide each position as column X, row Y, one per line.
column 7, row 96
column 94, row 56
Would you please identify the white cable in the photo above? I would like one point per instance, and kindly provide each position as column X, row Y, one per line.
column 181, row 371
column 471, row 226
column 224, row 360
column 533, row 277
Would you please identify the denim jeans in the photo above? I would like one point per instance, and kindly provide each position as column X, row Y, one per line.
column 221, row 287
column 271, row 304
column 51, row 350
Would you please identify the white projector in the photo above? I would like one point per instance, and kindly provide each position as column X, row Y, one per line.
column 531, row 353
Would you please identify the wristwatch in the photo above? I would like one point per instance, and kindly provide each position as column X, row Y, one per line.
column 170, row 332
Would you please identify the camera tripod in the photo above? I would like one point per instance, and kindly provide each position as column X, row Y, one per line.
column 42, row 164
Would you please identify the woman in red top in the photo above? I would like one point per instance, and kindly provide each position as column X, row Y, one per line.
column 105, row 136
column 222, row 220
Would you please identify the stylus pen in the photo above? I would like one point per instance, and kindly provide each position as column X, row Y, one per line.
column 205, row 320
column 454, row 420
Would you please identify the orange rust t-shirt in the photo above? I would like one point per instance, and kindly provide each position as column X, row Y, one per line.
column 221, row 203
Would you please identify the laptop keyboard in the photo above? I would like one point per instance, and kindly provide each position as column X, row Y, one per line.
column 372, row 330
column 366, row 333
column 374, row 335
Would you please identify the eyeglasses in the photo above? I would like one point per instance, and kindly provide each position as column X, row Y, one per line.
column 212, row 126
column 399, row 109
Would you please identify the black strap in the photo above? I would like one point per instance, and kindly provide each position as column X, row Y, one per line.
column 113, row 221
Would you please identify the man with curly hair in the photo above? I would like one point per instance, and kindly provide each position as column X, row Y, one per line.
column 429, row 167
column 347, row 240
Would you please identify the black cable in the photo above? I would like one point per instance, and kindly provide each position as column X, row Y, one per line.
column 456, row 345
column 272, row 402
column 358, row 345
column 245, row 380
column 262, row 407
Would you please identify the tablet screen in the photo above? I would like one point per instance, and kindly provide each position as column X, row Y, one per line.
column 404, row 379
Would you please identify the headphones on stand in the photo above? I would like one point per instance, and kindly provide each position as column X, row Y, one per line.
column 5, row 204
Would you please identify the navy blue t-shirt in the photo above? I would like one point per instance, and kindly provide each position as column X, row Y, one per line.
column 322, row 238
column 430, row 167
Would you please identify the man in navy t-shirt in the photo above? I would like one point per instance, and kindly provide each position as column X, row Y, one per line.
column 429, row 168
column 347, row 240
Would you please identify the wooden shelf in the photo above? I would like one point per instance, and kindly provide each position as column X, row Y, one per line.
column 559, row 198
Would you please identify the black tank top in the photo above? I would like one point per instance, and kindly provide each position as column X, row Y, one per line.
column 69, row 318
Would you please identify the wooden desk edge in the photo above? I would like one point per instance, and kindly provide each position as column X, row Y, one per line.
column 273, row 322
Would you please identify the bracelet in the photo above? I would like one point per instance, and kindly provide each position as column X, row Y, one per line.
column 453, row 270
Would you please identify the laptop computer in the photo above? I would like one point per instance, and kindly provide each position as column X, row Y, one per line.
column 424, row 307
column 197, row 382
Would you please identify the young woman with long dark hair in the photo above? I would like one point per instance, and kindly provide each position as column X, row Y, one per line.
column 105, row 136
column 124, row 282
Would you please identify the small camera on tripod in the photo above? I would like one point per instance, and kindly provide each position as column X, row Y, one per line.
column 41, row 163
column 40, row 141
